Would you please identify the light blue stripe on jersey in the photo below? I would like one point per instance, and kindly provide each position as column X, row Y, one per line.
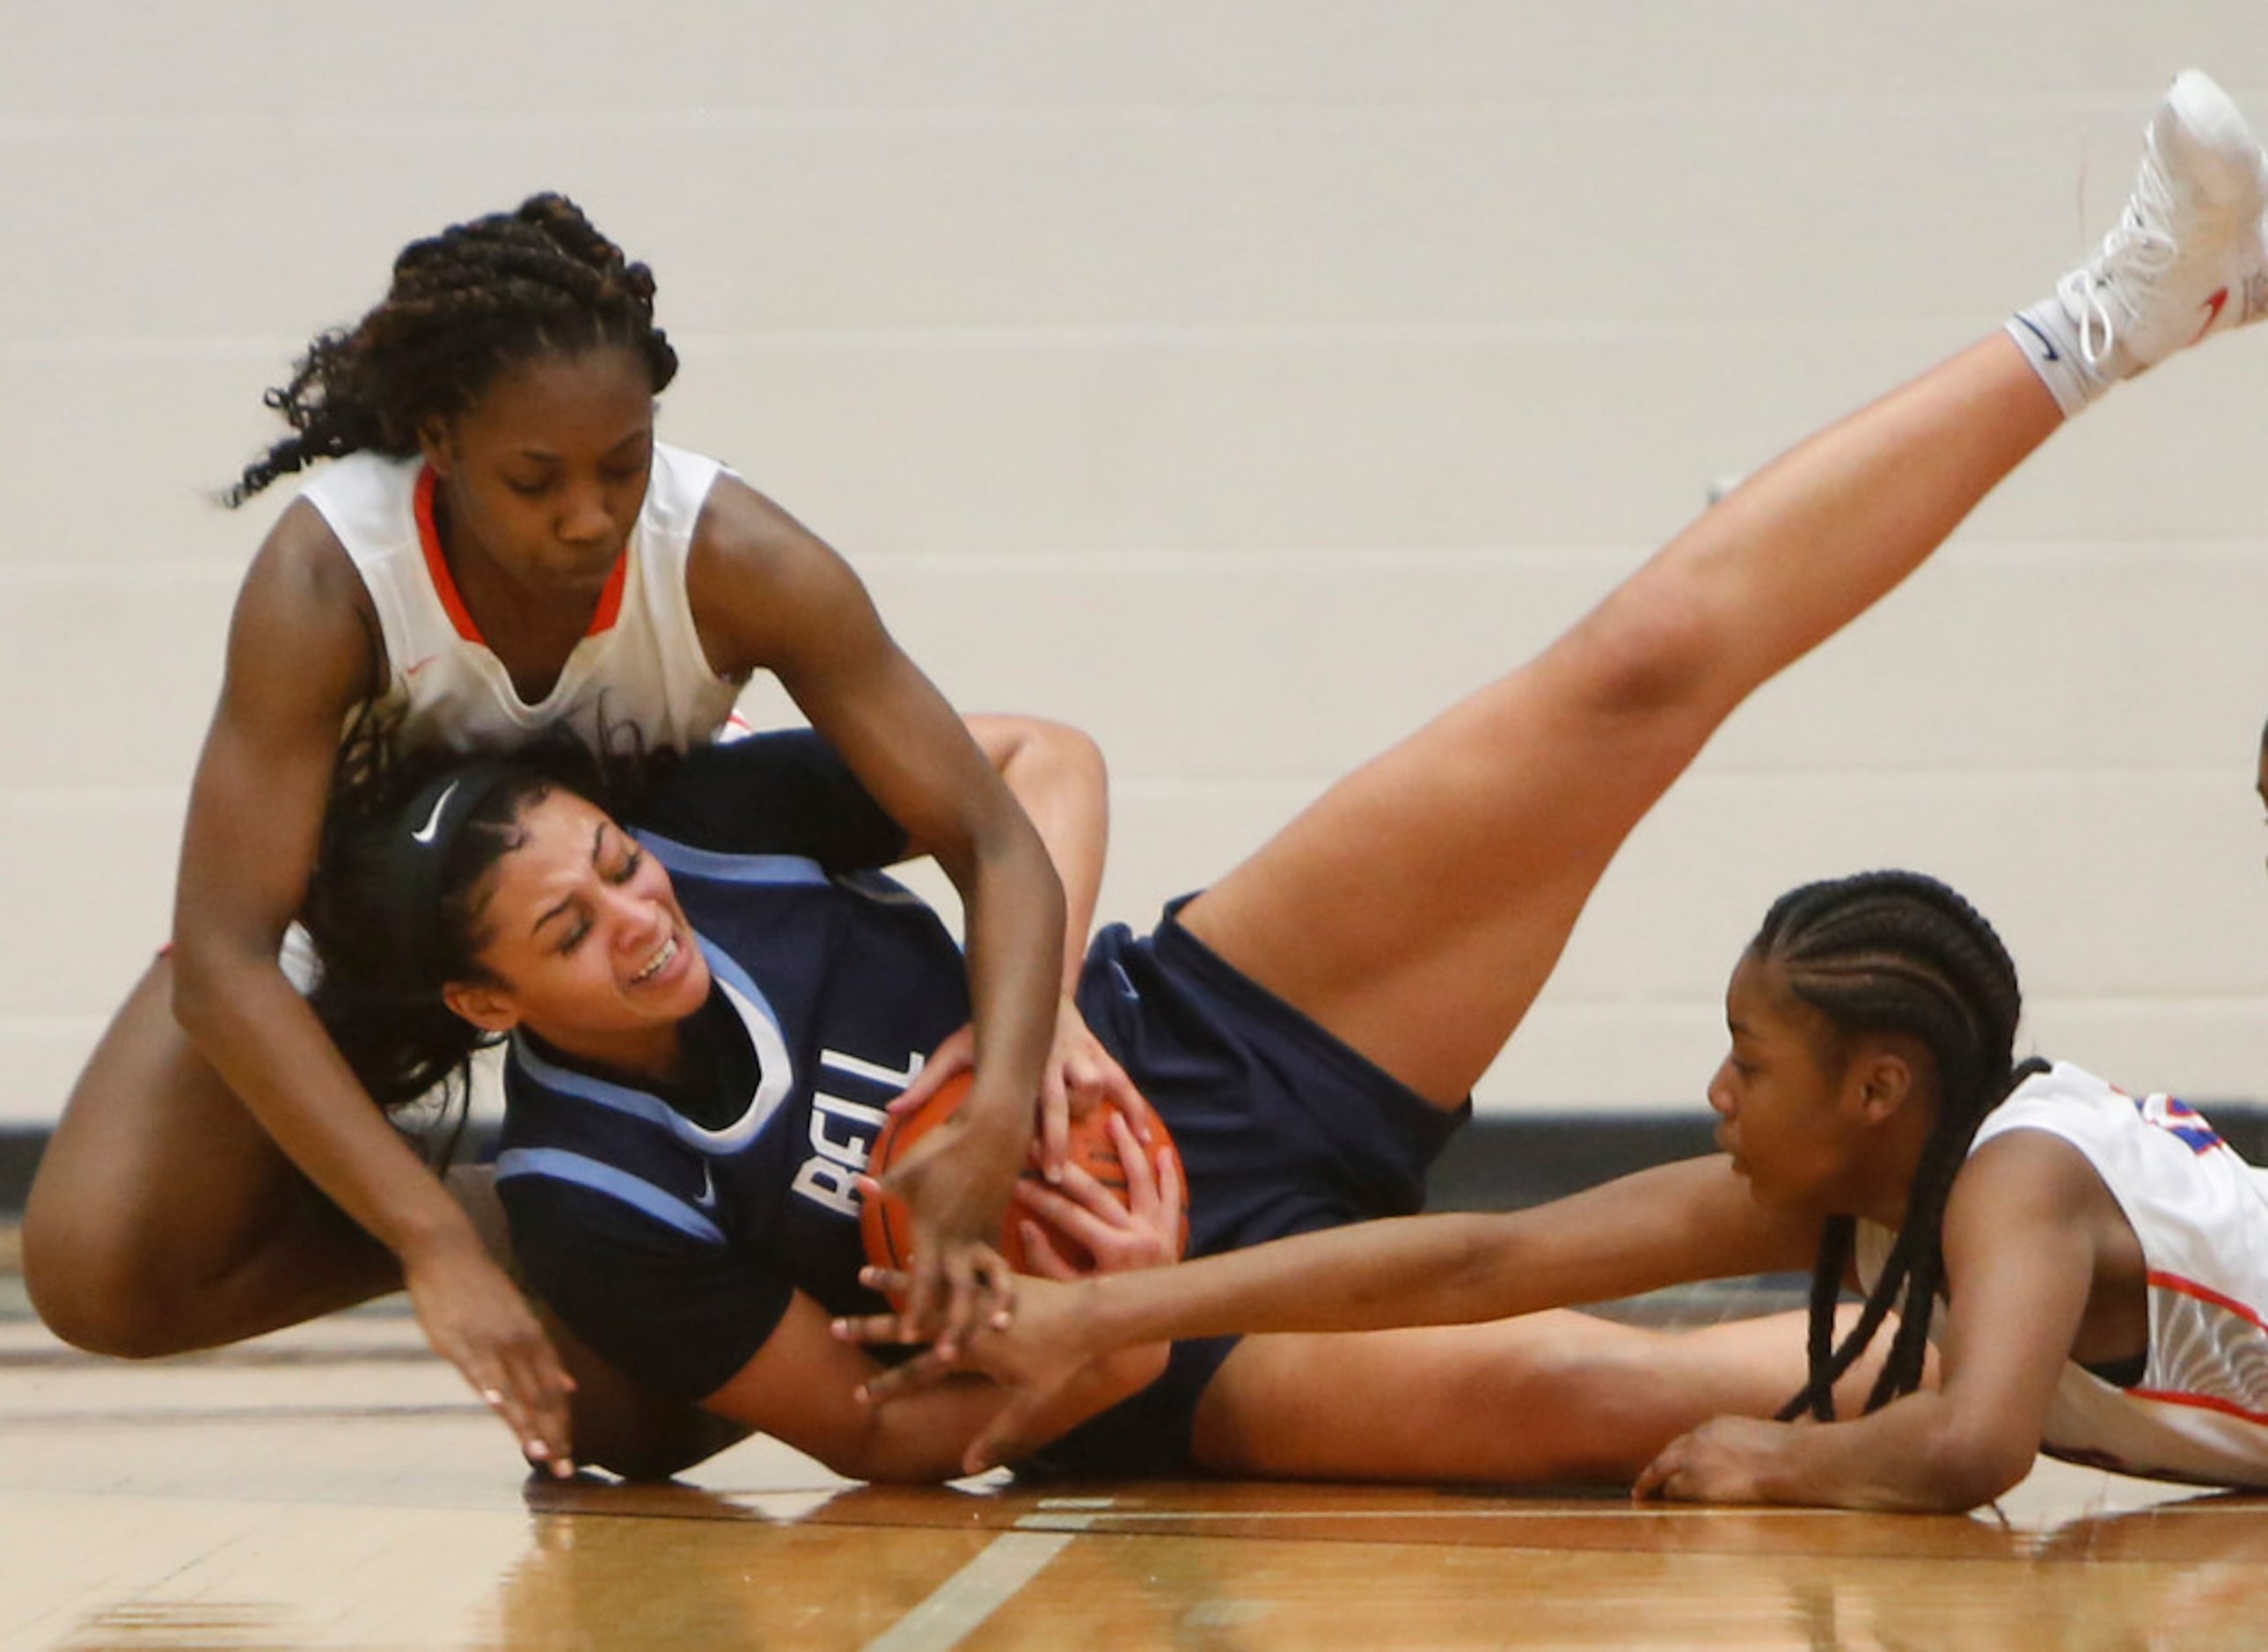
column 568, row 1081
column 562, row 1166
column 731, row 869
column 881, row 888
column 773, row 869
column 775, row 1068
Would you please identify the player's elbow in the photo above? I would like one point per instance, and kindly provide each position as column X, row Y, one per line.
column 1014, row 742
column 200, row 971
column 889, row 1465
column 884, row 1454
column 1965, row 1468
column 215, row 977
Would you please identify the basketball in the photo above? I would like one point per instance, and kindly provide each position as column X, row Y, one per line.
column 887, row 1226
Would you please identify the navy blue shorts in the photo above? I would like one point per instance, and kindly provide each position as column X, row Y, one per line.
column 1282, row 1128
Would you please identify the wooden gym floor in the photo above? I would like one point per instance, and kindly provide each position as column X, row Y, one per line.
column 333, row 1485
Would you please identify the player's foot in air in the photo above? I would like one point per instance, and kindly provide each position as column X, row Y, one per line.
column 2187, row 258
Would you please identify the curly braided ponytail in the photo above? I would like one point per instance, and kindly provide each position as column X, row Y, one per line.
column 464, row 305
column 1896, row 953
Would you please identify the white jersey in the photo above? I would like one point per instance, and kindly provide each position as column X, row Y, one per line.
column 2200, row 1411
column 640, row 664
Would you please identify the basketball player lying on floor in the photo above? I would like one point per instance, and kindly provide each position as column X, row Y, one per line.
column 2102, row 1253
column 703, row 1034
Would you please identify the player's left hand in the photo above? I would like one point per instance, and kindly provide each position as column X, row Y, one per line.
column 1081, row 1075
column 956, row 1182
column 1145, row 1231
column 1724, row 1460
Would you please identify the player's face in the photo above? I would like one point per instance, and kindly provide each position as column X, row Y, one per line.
column 585, row 936
column 541, row 478
column 1780, row 1096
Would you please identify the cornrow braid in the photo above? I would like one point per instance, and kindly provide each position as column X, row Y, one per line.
column 1897, row 952
column 464, row 305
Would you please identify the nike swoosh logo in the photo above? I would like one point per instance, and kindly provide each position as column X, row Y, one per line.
column 423, row 835
column 2046, row 343
column 707, row 1197
column 2213, row 309
column 411, row 670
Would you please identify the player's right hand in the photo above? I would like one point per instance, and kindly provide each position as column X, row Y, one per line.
column 1027, row 1341
column 1147, row 1231
column 476, row 1318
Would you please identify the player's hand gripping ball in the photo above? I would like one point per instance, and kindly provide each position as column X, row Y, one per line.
column 887, row 1226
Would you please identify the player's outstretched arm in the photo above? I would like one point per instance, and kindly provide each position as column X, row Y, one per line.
column 1057, row 774
column 766, row 592
column 807, row 1389
column 1693, row 1220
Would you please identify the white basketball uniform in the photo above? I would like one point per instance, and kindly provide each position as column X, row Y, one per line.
column 2200, row 1409
column 640, row 664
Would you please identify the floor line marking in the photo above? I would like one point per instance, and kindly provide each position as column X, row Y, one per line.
column 974, row 1593
column 1048, row 1521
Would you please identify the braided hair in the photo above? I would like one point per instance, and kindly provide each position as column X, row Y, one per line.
column 1897, row 952
column 464, row 305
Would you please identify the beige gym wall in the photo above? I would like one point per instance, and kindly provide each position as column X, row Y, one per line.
column 1241, row 379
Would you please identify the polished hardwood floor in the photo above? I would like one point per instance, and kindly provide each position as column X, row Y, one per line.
column 333, row 1485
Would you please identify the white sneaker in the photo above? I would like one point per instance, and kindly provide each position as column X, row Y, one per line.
column 2187, row 259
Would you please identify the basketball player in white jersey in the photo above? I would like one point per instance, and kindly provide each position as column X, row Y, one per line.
column 501, row 547
column 2095, row 1261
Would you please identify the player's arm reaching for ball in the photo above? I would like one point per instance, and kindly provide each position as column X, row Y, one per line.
column 1668, row 1225
column 300, row 656
column 809, row 1389
column 1055, row 772
column 767, row 593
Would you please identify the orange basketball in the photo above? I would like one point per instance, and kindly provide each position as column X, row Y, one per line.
column 887, row 1226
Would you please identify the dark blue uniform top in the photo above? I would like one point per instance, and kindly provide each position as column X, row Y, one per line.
column 671, row 1225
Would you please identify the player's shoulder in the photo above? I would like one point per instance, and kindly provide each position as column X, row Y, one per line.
column 302, row 573
column 764, row 588
column 2029, row 1174
column 738, row 523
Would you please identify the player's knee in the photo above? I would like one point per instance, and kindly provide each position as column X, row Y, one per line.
column 1645, row 652
column 658, row 1440
column 1594, row 1406
column 95, row 1289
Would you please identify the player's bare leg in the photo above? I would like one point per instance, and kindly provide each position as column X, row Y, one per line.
column 1418, row 906
column 164, row 1218
column 1550, row 1396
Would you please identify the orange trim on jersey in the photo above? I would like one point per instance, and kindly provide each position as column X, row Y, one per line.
column 2161, row 1280
column 2201, row 1402
column 437, row 566
column 2182, row 1287
column 453, row 601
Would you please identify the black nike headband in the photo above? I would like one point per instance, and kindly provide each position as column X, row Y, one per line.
column 417, row 853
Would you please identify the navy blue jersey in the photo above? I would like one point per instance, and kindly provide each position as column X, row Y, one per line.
column 670, row 1235
column 671, row 1228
